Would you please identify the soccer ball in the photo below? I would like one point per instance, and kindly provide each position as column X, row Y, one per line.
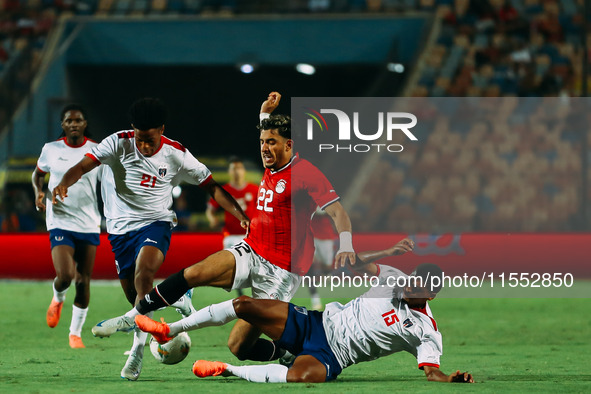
column 173, row 351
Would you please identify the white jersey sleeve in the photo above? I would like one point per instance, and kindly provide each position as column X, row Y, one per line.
column 42, row 162
column 429, row 351
column 192, row 171
column 106, row 151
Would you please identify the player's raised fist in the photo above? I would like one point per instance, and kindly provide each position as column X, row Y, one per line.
column 271, row 103
column 406, row 245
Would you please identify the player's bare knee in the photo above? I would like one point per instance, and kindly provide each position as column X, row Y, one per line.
column 242, row 306
column 82, row 283
column 82, row 279
column 193, row 275
column 305, row 376
column 63, row 281
column 236, row 346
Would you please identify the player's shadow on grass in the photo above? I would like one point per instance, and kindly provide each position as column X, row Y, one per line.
column 380, row 378
column 478, row 378
column 535, row 378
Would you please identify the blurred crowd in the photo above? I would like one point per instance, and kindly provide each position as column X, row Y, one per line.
column 482, row 164
column 496, row 48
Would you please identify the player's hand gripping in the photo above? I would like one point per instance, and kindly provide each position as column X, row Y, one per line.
column 245, row 223
column 460, row 377
column 406, row 245
column 343, row 257
column 271, row 103
column 39, row 204
column 61, row 191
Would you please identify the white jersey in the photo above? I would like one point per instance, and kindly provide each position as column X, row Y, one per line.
column 79, row 211
column 380, row 323
column 141, row 190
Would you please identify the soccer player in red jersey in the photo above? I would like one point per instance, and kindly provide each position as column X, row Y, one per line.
column 264, row 260
column 244, row 193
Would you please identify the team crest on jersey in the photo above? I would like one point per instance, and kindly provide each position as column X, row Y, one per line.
column 407, row 323
column 162, row 171
column 280, row 187
column 301, row 309
column 248, row 196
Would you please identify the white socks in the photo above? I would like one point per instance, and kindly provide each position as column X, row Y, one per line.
column 133, row 313
column 59, row 296
column 213, row 315
column 78, row 319
column 139, row 338
column 270, row 373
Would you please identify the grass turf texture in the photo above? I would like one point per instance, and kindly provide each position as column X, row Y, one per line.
column 511, row 345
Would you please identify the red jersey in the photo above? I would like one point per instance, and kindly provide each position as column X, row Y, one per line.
column 246, row 198
column 277, row 229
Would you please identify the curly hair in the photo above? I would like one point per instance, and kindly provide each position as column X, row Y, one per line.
column 281, row 123
column 147, row 113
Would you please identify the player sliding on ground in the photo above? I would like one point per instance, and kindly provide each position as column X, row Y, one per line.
column 389, row 318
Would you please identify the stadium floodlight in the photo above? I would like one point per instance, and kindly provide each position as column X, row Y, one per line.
column 246, row 68
column 176, row 191
column 305, row 68
column 395, row 67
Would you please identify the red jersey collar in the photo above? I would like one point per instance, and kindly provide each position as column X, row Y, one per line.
column 73, row 146
column 293, row 158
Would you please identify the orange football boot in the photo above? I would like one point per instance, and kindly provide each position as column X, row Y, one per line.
column 203, row 368
column 158, row 330
column 76, row 342
column 53, row 313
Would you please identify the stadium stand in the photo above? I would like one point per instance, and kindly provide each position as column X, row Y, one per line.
column 512, row 171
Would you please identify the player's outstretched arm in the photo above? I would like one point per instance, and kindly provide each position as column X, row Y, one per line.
column 85, row 165
column 38, row 180
column 365, row 260
column 226, row 201
column 342, row 223
column 271, row 103
column 434, row 374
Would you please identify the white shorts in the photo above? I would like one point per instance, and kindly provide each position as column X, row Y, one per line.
column 267, row 280
column 324, row 251
column 231, row 240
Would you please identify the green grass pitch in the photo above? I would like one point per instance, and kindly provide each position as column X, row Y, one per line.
column 514, row 345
